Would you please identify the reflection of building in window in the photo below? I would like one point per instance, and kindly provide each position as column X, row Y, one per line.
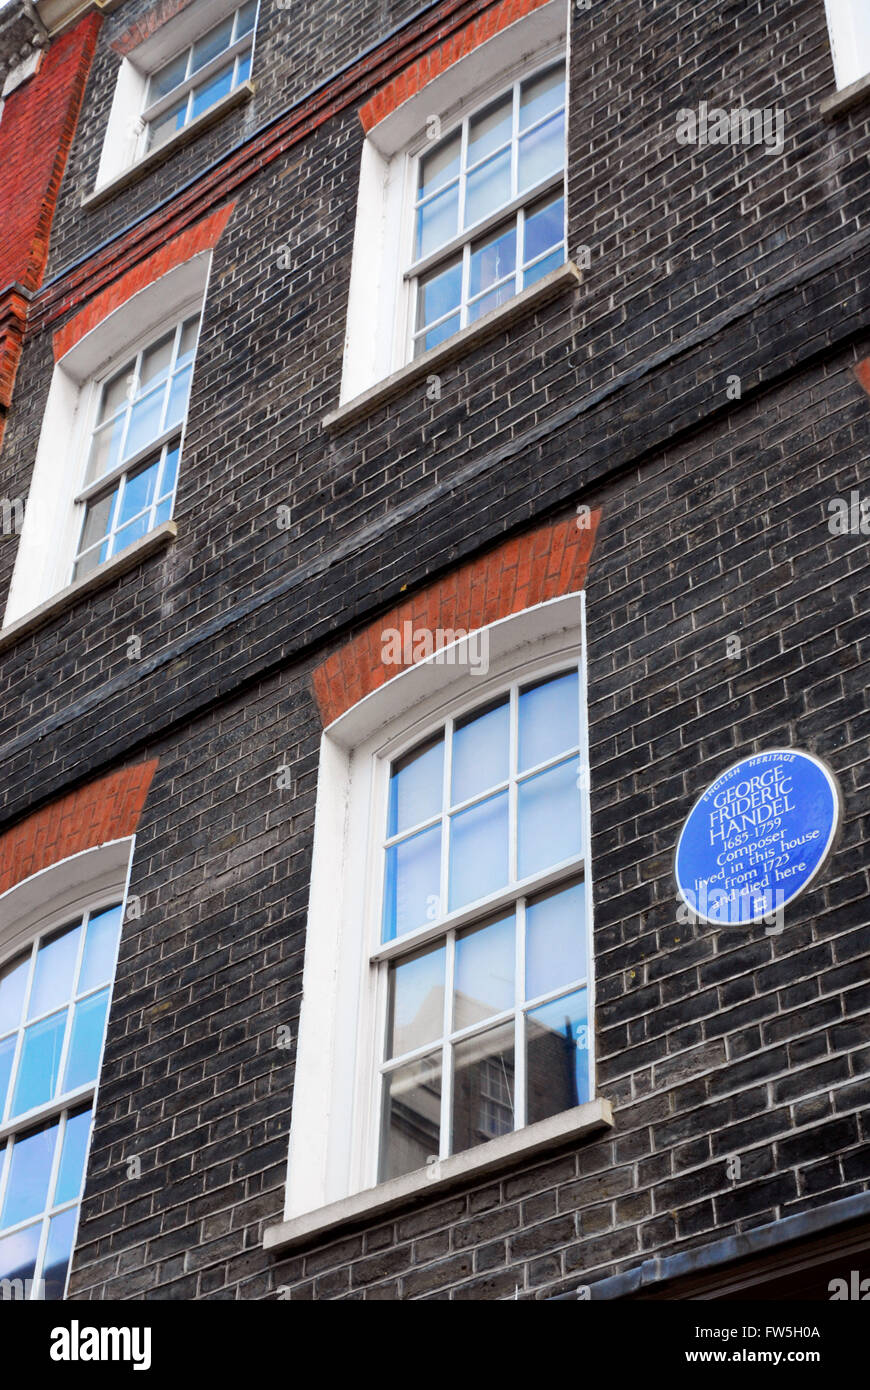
column 496, row 1099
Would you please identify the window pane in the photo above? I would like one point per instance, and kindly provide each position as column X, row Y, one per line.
column 439, row 294
column 479, row 851
column 245, row 18
column 146, row 419
column 488, row 302
column 493, row 261
column 211, row 91
column 557, row 1061
column 40, row 1061
column 411, row 896
column 18, row 1253
column 139, row 492
column 166, row 125
column 131, row 533
column 545, row 227
column 416, row 787
column 170, row 471
column 412, row 1117
column 416, row 1013
column 98, row 515
column 549, row 720
column 87, row 1040
column 57, row 1253
column 72, row 1160
column 542, row 152
column 483, row 1088
column 484, row 982
column 555, row 941
column 212, row 43
column 55, row 967
column 437, row 221
column 13, row 980
column 549, row 818
column 106, row 449
column 440, row 166
column 7, row 1053
column 541, row 95
column 27, row 1188
column 490, row 130
column 481, row 752
column 543, row 267
column 167, row 77
column 437, row 335
column 179, row 395
column 116, row 392
column 488, row 188
column 155, row 363
column 243, row 70
column 101, row 942
column 189, row 338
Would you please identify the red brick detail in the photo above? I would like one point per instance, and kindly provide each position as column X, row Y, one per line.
column 148, row 25
column 39, row 120
column 414, row 78
column 202, row 236
column 95, row 815
column 543, row 564
column 862, row 372
column 13, row 321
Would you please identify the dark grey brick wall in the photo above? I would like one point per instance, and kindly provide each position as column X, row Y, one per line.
column 705, row 263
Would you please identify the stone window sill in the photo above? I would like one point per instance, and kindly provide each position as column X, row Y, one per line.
column 856, row 94
column 489, row 1158
column 136, row 171
column 59, row 603
column 557, row 282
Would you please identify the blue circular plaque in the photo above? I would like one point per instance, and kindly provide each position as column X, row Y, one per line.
column 757, row 838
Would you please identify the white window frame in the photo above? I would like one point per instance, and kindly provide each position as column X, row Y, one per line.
column 334, row 1136
column 55, row 504
column 849, row 30
column 126, row 141
column 514, row 210
column 380, row 318
column 32, row 910
column 512, row 898
column 86, row 492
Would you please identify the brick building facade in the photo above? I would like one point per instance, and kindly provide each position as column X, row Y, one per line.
column 601, row 421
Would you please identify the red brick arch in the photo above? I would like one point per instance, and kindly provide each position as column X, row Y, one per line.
column 106, row 810
column 546, row 563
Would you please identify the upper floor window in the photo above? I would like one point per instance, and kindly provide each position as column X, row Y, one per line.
column 489, row 210
column 108, row 462
column 132, row 455
column 54, row 1000
column 487, row 1021
column 849, row 28
column 461, row 202
column 447, row 995
column 196, row 63
column 196, row 78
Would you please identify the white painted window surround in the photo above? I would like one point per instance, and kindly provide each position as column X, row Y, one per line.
column 52, row 520
column 849, row 28
column 126, row 139
column 378, row 336
column 39, row 1202
column 334, row 1133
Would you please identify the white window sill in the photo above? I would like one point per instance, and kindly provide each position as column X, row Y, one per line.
column 853, row 95
column 128, row 559
column 190, row 132
column 566, row 277
column 488, row 1158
